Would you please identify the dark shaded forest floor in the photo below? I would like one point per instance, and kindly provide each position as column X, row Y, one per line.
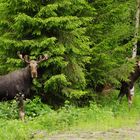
column 132, row 133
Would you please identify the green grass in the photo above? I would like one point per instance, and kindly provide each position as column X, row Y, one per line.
column 41, row 120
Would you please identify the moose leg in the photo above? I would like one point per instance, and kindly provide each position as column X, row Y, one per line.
column 130, row 96
column 120, row 96
column 20, row 98
column 123, row 91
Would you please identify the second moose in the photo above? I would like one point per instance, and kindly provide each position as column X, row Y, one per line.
column 127, row 88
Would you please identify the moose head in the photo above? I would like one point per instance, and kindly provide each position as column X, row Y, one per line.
column 32, row 63
column 138, row 64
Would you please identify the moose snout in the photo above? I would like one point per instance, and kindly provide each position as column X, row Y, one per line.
column 34, row 74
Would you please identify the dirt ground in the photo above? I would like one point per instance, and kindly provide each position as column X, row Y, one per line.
column 113, row 134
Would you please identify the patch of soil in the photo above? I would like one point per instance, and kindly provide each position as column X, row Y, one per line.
column 113, row 134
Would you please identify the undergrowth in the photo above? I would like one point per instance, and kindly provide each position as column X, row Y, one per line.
column 41, row 120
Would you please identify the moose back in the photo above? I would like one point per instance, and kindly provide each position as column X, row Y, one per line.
column 19, row 81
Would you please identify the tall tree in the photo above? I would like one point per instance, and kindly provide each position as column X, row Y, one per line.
column 56, row 27
column 134, row 51
column 112, row 37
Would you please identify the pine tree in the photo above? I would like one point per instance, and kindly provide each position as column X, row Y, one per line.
column 54, row 27
column 112, row 42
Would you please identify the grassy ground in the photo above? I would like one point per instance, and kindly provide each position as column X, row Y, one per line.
column 42, row 120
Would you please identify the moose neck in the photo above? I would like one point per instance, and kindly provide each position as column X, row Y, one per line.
column 28, row 73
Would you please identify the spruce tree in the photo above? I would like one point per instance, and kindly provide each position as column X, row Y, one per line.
column 54, row 27
column 112, row 41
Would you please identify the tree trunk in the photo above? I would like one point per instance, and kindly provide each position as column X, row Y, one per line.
column 134, row 51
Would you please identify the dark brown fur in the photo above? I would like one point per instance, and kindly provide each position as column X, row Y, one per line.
column 15, row 82
column 18, row 83
column 126, row 87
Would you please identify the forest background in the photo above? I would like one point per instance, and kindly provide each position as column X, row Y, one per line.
column 89, row 44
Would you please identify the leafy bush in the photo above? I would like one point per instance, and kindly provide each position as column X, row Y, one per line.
column 8, row 110
column 41, row 119
column 33, row 108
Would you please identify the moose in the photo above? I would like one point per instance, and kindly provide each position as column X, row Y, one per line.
column 18, row 83
column 127, row 88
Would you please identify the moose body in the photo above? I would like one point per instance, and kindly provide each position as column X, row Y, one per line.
column 127, row 88
column 18, row 83
column 15, row 82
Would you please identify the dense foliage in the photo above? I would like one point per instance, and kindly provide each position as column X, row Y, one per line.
column 107, row 115
column 112, row 41
column 87, row 43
